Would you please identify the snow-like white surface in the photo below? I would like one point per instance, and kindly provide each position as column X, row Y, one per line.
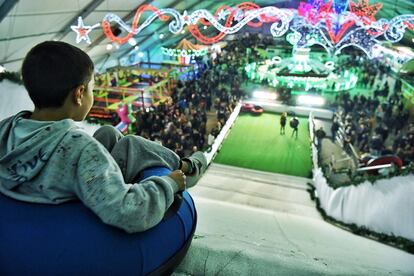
column 385, row 207
column 253, row 223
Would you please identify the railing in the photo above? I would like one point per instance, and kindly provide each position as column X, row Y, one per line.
column 223, row 134
column 355, row 169
column 312, row 138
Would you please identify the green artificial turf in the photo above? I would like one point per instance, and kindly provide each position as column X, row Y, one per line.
column 254, row 142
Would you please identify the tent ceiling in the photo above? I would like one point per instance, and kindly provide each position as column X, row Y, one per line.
column 28, row 22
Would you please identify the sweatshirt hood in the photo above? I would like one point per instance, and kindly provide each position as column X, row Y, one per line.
column 26, row 146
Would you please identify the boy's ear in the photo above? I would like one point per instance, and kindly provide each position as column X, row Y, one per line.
column 78, row 94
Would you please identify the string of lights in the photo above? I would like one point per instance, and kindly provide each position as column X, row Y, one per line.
column 334, row 24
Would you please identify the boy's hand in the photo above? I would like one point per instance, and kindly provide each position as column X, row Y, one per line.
column 179, row 177
column 185, row 167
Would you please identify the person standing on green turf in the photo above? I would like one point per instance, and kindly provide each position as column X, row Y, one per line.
column 283, row 119
column 294, row 123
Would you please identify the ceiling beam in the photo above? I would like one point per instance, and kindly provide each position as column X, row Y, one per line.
column 26, row 36
column 83, row 13
column 2, row 62
column 5, row 7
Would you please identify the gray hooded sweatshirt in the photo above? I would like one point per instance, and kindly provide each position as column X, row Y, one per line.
column 56, row 161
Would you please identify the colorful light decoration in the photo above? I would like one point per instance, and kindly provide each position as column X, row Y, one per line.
column 301, row 72
column 358, row 27
column 82, row 31
column 330, row 65
column 183, row 52
column 322, row 22
column 245, row 12
column 363, row 9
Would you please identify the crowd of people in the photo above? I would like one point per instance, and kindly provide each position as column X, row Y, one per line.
column 375, row 126
column 369, row 72
column 182, row 123
column 178, row 127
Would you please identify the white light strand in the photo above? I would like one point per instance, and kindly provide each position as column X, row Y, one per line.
column 82, row 31
column 184, row 52
column 362, row 32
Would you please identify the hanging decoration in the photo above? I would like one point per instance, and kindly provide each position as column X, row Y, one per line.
column 333, row 24
column 301, row 72
column 82, row 31
column 251, row 12
column 364, row 10
column 185, row 51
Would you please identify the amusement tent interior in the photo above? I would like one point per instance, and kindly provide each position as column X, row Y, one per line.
column 303, row 112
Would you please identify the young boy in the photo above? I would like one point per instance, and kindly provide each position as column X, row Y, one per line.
column 46, row 158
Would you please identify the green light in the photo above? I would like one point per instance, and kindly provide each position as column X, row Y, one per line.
column 184, row 52
column 262, row 72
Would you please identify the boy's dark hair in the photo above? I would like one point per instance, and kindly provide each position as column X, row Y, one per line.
column 52, row 69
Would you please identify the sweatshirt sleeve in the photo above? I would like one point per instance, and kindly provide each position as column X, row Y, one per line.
column 132, row 207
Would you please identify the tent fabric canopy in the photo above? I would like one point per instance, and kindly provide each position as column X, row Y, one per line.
column 25, row 23
column 187, row 45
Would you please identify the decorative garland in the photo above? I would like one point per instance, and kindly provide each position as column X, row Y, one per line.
column 184, row 52
column 358, row 180
column 395, row 241
column 315, row 22
column 244, row 13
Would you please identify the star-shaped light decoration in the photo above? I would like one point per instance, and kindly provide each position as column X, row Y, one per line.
column 363, row 9
column 239, row 15
column 316, row 11
column 223, row 14
column 186, row 17
column 340, row 6
column 82, row 31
